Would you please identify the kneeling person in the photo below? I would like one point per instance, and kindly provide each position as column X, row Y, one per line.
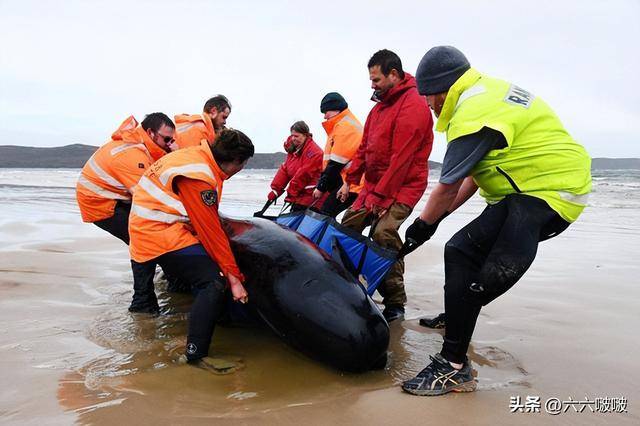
column 174, row 222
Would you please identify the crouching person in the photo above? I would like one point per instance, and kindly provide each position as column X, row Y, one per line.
column 174, row 222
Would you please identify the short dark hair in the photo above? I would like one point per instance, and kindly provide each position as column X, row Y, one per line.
column 232, row 146
column 387, row 61
column 220, row 102
column 155, row 120
column 300, row 127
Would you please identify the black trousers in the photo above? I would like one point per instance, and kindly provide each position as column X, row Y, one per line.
column 118, row 224
column 332, row 206
column 486, row 258
column 207, row 284
column 299, row 207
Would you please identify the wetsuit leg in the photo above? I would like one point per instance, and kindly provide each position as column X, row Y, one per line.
column 485, row 259
column 208, row 286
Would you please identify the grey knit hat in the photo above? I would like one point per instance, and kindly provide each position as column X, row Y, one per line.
column 439, row 68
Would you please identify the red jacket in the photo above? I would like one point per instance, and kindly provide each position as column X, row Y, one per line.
column 301, row 170
column 395, row 148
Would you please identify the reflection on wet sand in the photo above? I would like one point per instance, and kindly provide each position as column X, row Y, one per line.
column 140, row 370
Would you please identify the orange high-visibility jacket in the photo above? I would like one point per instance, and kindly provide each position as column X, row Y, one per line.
column 193, row 129
column 344, row 134
column 114, row 169
column 159, row 222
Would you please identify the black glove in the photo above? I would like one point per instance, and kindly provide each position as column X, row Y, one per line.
column 418, row 233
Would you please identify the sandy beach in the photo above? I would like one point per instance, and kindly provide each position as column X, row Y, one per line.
column 71, row 353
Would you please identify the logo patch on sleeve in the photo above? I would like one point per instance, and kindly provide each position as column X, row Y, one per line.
column 141, row 165
column 518, row 96
column 209, row 197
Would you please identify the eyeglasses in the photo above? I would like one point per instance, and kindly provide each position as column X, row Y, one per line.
column 166, row 139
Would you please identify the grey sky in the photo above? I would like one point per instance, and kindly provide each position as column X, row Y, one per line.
column 71, row 71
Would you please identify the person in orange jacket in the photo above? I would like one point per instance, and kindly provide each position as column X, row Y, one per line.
column 174, row 223
column 344, row 134
column 192, row 129
column 301, row 169
column 106, row 182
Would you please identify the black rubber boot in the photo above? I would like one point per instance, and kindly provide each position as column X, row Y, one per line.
column 436, row 322
column 392, row 313
column 144, row 298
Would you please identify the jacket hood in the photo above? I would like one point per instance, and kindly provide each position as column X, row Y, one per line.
column 130, row 132
column 129, row 124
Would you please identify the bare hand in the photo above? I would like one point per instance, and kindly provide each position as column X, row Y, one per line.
column 317, row 193
column 343, row 192
column 238, row 291
column 379, row 211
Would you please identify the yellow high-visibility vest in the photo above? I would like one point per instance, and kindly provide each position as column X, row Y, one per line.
column 541, row 159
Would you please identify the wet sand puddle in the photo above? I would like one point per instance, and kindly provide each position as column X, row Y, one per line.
column 138, row 372
column 111, row 366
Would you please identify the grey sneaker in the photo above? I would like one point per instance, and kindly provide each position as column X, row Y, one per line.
column 439, row 378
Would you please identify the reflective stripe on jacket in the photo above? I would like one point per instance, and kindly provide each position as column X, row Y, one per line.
column 113, row 170
column 541, row 159
column 159, row 222
column 193, row 129
column 344, row 134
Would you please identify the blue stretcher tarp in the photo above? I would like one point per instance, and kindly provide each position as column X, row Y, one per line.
column 367, row 261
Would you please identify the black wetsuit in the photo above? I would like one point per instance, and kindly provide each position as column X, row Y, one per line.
column 489, row 255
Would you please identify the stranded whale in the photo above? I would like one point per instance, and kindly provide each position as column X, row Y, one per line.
column 306, row 297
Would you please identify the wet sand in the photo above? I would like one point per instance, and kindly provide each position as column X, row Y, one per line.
column 71, row 353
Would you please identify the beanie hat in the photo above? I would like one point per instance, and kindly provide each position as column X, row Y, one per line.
column 439, row 68
column 333, row 101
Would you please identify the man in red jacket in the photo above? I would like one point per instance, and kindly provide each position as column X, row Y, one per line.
column 301, row 169
column 393, row 157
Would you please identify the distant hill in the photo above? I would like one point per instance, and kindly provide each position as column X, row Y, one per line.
column 70, row 156
column 266, row 161
column 74, row 156
column 615, row 163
